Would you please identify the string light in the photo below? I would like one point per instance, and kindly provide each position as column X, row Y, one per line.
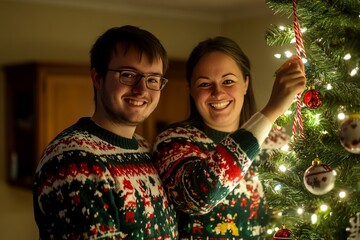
column 354, row 71
column 329, row 86
column 313, row 218
column 300, row 211
column 282, row 168
column 288, row 54
column 341, row 116
column 277, row 187
column 317, row 119
column 285, row 148
column 277, row 55
column 342, row 194
column 324, row 207
column 288, row 112
column 347, row 56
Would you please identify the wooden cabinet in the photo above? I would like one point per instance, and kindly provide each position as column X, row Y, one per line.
column 42, row 99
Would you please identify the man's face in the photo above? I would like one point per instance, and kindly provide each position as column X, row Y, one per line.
column 129, row 105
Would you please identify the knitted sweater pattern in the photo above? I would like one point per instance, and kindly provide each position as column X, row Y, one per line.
column 93, row 184
column 213, row 182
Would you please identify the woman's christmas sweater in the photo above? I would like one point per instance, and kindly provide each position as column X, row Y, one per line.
column 211, row 179
column 93, row 184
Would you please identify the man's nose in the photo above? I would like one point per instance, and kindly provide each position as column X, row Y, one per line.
column 140, row 84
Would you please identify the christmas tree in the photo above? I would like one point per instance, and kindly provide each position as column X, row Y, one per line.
column 314, row 186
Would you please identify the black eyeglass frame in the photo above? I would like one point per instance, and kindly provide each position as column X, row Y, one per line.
column 139, row 76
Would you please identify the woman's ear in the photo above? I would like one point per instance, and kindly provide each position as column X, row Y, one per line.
column 96, row 79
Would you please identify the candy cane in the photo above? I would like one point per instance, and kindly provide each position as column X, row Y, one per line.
column 300, row 50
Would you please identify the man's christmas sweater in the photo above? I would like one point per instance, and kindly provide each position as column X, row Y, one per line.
column 211, row 178
column 93, row 184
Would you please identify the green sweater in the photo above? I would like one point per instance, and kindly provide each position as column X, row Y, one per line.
column 211, row 178
column 93, row 184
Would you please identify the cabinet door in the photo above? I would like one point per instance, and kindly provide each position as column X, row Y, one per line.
column 65, row 98
column 20, row 126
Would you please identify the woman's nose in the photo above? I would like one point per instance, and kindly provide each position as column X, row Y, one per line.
column 217, row 91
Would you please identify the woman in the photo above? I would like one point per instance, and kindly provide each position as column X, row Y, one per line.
column 205, row 162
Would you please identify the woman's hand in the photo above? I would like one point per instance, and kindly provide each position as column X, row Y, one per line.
column 290, row 80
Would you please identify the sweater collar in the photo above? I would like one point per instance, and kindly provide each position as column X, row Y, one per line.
column 213, row 134
column 87, row 124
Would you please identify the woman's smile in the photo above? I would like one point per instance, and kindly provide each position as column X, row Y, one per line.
column 220, row 105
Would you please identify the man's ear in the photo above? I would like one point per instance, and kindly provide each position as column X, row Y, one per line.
column 96, row 78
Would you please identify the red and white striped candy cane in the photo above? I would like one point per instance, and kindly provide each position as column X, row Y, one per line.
column 300, row 51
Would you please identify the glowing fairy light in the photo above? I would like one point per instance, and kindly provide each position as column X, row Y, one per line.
column 269, row 231
column 354, row 71
column 347, row 56
column 304, row 60
column 277, row 187
column 314, row 218
column 300, row 211
column 282, row 168
column 324, row 207
column 285, row 148
column 288, row 112
column 277, row 55
column 282, row 28
column 342, row 194
column 293, row 40
column 341, row 116
column 288, row 54
column 317, row 119
column 329, row 86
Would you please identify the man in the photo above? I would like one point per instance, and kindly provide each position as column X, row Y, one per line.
column 95, row 179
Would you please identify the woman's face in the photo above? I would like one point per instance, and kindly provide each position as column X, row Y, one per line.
column 218, row 88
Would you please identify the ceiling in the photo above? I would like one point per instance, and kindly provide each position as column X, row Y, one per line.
column 202, row 9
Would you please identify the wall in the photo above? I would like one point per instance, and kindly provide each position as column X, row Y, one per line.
column 49, row 33
column 250, row 35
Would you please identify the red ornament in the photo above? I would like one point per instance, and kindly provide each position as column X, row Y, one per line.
column 282, row 234
column 312, row 98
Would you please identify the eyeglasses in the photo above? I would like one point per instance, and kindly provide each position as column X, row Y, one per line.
column 131, row 77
